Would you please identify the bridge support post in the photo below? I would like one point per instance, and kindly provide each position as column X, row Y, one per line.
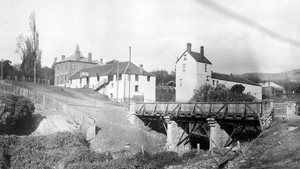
column 217, row 135
column 175, row 134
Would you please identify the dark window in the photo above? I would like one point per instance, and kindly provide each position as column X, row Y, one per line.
column 61, row 78
column 112, row 85
column 148, row 78
column 213, row 82
column 120, row 76
column 205, row 67
column 65, row 77
column 207, row 78
column 184, row 57
column 57, row 81
column 111, row 78
column 66, row 65
column 58, row 67
column 136, row 77
column 136, row 88
column 98, row 77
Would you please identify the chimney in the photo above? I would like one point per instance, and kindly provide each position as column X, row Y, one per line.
column 101, row 61
column 141, row 69
column 189, row 47
column 63, row 57
column 77, row 53
column 202, row 50
column 90, row 57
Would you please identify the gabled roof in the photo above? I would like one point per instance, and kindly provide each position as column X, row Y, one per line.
column 271, row 84
column 232, row 78
column 197, row 56
column 73, row 58
column 111, row 69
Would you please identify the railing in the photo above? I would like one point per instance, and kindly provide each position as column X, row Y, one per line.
column 237, row 110
column 100, row 84
column 86, row 123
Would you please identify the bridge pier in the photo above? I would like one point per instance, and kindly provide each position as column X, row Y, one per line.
column 218, row 135
column 175, row 134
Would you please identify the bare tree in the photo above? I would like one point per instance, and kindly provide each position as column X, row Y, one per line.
column 28, row 48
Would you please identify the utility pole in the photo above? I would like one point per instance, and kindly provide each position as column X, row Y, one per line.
column 2, row 69
column 34, row 70
column 129, row 70
column 117, row 80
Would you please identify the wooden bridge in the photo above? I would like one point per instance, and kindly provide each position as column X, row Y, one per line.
column 182, row 121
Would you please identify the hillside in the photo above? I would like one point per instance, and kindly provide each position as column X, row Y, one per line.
column 292, row 76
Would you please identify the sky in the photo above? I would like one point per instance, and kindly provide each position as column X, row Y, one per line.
column 238, row 36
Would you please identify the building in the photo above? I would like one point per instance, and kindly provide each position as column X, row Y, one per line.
column 118, row 80
column 193, row 70
column 68, row 67
column 272, row 89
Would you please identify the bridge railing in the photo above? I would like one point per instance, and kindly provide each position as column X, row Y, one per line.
column 200, row 109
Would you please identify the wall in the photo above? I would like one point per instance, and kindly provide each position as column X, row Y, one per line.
column 69, row 71
column 185, row 90
column 253, row 90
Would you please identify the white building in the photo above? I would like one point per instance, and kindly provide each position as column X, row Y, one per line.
column 117, row 80
column 193, row 70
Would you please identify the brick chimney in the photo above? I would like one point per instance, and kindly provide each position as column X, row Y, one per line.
column 77, row 53
column 63, row 57
column 202, row 50
column 141, row 69
column 189, row 47
column 90, row 57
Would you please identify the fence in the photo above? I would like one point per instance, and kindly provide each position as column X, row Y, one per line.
column 86, row 123
column 43, row 81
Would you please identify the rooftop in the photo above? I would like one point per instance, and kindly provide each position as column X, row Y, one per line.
column 111, row 69
column 232, row 78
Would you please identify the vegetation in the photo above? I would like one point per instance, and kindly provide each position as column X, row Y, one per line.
column 220, row 93
column 17, row 108
column 163, row 76
column 28, row 49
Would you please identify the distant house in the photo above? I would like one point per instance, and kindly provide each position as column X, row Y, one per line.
column 193, row 70
column 67, row 67
column 117, row 80
column 272, row 89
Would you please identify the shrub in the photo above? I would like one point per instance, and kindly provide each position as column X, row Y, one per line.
column 16, row 108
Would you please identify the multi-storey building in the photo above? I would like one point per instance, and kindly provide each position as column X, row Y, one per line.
column 67, row 67
column 193, row 70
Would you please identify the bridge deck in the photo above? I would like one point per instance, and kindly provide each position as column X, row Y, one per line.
column 230, row 111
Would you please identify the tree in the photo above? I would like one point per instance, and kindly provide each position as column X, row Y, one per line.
column 238, row 88
column 220, row 93
column 163, row 76
column 28, row 49
column 7, row 68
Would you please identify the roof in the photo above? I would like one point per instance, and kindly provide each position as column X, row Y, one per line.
column 271, row 84
column 111, row 69
column 232, row 78
column 73, row 58
column 197, row 56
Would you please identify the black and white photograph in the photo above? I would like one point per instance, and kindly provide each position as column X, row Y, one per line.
column 149, row 84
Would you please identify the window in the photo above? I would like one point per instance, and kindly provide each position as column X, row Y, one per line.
column 217, row 82
column 180, row 82
column 57, row 67
column 136, row 87
column 73, row 66
column 61, row 78
column 57, row 80
column 205, row 67
column 148, row 78
column 184, row 67
column 111, row 95
column 136, row 77
column 207, row 78
column 71, row 81
column 61, row 66
column 184, row 57
column 112, row 84
column 66, row 77
column 111, row 78
column 213, row 82
column 120, row 76
column 66, row 65
column 98, row 77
